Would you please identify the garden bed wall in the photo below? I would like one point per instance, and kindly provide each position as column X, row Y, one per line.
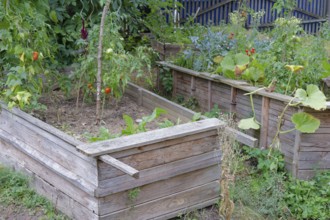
column 304, row 153
column 177, row 168
column 166, row 50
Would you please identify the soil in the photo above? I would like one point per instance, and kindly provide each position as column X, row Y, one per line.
column 81, row 122
column 14, row 212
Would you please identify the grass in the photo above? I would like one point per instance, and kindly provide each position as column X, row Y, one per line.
column 15, row 192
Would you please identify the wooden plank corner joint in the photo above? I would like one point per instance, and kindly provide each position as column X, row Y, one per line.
column 120, row 166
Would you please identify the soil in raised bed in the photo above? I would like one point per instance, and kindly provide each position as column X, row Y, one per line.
column 80, row 122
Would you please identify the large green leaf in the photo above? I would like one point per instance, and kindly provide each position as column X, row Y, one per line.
column 305, row 122
column 228, row 63
column 242, row 59
column 248, row 123
column 312, row 97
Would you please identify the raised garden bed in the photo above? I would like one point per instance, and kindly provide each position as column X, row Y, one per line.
column 154, row 175
column 166, row 50
column 304, row 153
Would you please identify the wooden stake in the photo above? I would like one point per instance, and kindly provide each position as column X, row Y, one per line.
column 99, row 63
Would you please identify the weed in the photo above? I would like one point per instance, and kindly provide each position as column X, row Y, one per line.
column 14, row 190
column 214, row 112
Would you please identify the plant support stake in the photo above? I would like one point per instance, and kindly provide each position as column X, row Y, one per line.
column 99, row 64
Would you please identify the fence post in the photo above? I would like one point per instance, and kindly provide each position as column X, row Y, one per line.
column 328, row 10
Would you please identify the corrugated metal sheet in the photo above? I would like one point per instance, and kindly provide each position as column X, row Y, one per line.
column 312, row 12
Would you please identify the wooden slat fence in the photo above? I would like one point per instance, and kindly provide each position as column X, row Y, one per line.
column 312, row 12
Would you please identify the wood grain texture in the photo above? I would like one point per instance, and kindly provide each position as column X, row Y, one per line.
column 175, row 202
column 120, row 165
column 60, row 200
column 264, row 123
column 158, row 173
column 20, row 158
column 150, row 137
column 160, row 156
column 51, row 146
column 159, row 189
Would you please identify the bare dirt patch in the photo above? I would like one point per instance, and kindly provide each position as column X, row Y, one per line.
column 78, row 122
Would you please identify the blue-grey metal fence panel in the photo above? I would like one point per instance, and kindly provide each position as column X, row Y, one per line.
column 205, row 12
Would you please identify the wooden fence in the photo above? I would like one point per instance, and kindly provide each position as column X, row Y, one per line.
column 312, row 12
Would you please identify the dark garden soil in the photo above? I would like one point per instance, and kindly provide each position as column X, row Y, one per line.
column 80, row 122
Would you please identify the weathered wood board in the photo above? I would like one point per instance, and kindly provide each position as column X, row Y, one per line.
column 230, row 96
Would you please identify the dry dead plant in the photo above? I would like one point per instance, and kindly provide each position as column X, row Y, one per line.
column 229, row 164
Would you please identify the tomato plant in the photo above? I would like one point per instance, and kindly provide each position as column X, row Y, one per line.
column 23, row 28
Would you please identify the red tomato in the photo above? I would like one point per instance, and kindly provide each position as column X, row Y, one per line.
column 107, row 90
column 35, row 55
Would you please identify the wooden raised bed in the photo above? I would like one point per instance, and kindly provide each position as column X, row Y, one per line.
column 304, row 153
column 166, row 50
column 174, row 169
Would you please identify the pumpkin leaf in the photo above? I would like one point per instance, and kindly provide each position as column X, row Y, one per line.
column 312, row 97
column 305, row 122
column 248, row 123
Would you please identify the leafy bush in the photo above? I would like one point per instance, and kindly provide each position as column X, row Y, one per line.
column 309, row 199
column 267, row 189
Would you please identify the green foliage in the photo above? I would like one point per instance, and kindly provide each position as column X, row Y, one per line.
column 249, row 123
column 305, row 122
column 133, row 194
column 15, row 190
column 133, row 128
column 309, row 199
column 166, row 124
column 166, row 80
column 104, row 134
column 191, row 103
column 214, row 112
column 267, row 160
column 261, row 185
column 130, row 126
column 24, row 31
column 264, row 187
column 311, row 97
column 118, row 63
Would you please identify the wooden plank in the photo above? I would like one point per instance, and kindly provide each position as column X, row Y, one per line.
column 166, row 104
column 235, row 83
column 233, row 96
column 120, row 165
column 44, row 126
column 243, row 138
column 209, row 96
column 314, row 143
column 264, row 123
column 150, row 137
column 316, row 156
column 187, row 210
column 159, row 189
column 296, row 148
column 147, row 176
column 192, row 86
column 17, row 157
column 46, row 162
column 49, row 145
column 175, row 83
column 60, row 200
column 159, row 156
column 175, row 202
column 188, row 138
